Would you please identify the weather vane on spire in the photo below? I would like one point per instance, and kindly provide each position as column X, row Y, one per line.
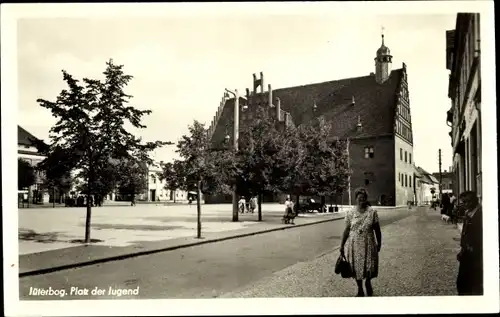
column 382, row 32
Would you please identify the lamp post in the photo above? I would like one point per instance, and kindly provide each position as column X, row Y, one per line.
column 236, row 128
column 236, row 132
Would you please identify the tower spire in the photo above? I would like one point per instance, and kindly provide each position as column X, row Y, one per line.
column 383, row 61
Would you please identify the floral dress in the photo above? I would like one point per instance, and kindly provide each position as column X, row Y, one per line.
column 361, row 247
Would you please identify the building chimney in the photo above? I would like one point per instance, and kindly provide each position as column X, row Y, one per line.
column 270, row 96
column 278, row 109
column 359, row 125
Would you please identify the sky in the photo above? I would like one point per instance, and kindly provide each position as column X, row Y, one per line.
column 182, row 64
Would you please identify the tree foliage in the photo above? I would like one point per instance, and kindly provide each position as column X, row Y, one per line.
column 200, row 162
column 133, row 177
column 25, row 174
column 173, row 175
column 57, row 168
column 301, row 161
column 92, row 119
column 324, row 168
column 265, row 157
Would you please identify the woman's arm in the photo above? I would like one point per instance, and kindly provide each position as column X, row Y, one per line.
column 346, row 232
column 378, row 235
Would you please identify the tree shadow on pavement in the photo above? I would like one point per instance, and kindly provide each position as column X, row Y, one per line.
column 31, row 235
column 218, row 218
column 105, row 226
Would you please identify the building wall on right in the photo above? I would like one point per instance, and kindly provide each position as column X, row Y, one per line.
column 405, row 169
column 463, row 59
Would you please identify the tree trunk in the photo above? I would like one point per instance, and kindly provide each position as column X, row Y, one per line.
column 174, row 195
column 87, row 221
column 53, row 197
column 235, row 204
column 89, row 206
column 198, row 206
column 297, row 204
column 259, row 203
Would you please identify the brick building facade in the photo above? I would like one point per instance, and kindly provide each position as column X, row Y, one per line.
column 372, row 112
column 463, row 53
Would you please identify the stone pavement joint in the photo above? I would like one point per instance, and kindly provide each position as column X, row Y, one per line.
column 125, row 255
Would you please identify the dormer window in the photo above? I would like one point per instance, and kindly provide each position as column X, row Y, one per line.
column 369, row 153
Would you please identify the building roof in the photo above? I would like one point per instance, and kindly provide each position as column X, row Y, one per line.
column 340, row 102
column 24, row 137
column 426, row 177
column 374, row 104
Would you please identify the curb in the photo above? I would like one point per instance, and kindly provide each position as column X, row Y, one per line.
column 171, row 248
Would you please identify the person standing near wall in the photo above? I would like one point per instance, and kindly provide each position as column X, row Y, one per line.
column 470, row 257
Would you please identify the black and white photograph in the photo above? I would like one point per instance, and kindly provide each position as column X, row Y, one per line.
column 249, row 158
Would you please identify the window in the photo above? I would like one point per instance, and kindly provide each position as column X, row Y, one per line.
column 367, row 182
column 401, row 154
column 399, row 177
column 406, row 157
column 410, row 158
column 409, row 180
column 406, row 180
column 369, row 152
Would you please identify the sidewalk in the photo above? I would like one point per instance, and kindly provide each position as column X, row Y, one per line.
column 178, row 235
column 418, row 258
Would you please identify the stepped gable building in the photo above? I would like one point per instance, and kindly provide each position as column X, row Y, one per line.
column 372, row 112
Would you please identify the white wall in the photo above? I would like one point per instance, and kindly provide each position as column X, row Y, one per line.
column 404, row 193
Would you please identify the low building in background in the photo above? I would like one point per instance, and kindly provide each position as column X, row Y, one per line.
column 156, row 189
column 427, row 187
column 446, row 180
column 27, row 151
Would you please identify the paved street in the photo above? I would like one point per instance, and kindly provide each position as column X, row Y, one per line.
column 218, row 269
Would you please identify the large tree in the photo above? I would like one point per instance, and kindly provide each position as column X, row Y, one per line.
column 199, row 162
column 25, row 174
column 133, row 178
column 318, row 163
column 266, row 155
column 92, row 125
column 57, row 168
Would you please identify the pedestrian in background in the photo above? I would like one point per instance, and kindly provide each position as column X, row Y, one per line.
column 470, row 270
column 445, row 204
column 253, row 204
column 289, row 215
column 359, row 245
column 241, row 204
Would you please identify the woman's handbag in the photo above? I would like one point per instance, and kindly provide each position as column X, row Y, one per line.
column 343, row 267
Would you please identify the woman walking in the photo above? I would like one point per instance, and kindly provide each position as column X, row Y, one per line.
column 359, row 245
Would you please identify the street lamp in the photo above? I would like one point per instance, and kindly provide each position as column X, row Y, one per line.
column 236, row 131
